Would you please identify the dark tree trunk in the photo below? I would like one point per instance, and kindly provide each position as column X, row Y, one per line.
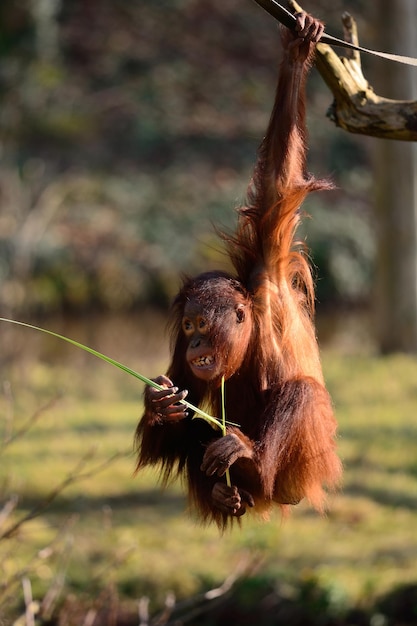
column 396, row 188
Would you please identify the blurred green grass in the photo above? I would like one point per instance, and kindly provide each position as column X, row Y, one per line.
column 125, row 530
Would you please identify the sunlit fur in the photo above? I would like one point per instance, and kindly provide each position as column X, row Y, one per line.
column 277, row 395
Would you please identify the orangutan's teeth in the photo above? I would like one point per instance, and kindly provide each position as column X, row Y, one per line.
column 203, row 360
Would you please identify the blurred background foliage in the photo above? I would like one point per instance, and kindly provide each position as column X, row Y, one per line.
column 127, row 129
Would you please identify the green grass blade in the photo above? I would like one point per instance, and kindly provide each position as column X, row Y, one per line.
column 214, row 422
column 228, row 480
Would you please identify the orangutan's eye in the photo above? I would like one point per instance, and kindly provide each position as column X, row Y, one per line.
column 202, row 324
column 187, row 326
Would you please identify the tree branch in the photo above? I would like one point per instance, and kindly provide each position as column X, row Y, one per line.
column 77, row 474
column 356, row 108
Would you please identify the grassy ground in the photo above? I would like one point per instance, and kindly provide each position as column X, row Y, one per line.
column 117, row 529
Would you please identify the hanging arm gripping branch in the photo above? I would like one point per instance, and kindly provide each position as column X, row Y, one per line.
column 282, row 15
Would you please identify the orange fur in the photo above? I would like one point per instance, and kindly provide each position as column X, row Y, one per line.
column 285, row 446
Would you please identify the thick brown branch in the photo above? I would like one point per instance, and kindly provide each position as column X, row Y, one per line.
column 356, row 107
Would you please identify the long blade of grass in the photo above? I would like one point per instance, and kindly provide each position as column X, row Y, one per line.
column 213, row 421
column 228, row 480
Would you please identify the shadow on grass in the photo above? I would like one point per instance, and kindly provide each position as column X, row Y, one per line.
column 166, row 502
column 381, row 433
column 385, row 497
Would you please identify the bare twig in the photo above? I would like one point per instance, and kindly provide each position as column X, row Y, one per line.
column 143, row 611
column 9, row 416
column 8, row 508
column 52, row 596
column 90, row 618
column 114, row 563
column 8, row 586
column 30, row 606
column 21, row 432
column 163, row 618
column 350, row 34
column 76, row 475
column 190, row 609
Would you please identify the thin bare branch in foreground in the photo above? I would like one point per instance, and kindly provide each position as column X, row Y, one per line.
column 76, row 475
column 190, row 609
column 8, row 509
column 9, row 413
column 21, row 432
column 7, row 587
column 31, row 607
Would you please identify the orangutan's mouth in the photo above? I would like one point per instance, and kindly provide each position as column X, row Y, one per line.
column 203, row 361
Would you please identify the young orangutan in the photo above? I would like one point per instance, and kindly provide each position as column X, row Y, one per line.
column 255, row 328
